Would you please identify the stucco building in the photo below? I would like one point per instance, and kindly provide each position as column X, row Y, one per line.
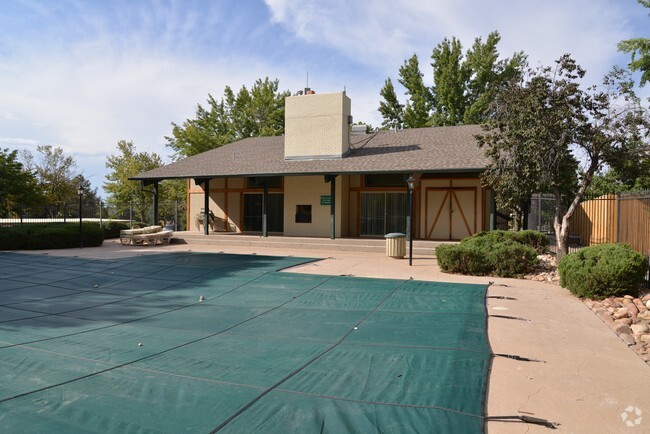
column 327, row 178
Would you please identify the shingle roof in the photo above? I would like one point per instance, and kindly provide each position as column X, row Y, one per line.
column 418, row 150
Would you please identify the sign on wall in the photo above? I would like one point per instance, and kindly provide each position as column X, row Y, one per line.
column 326, row 200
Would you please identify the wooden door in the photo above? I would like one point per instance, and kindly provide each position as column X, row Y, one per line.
column 450, row 213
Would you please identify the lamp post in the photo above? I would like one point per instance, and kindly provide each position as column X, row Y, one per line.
column 411, row 184
column 80, row 192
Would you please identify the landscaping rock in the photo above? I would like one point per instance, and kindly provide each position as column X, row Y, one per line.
column 640, row 328
column 631, row 307
column 629, row 318
column 622, row 329
column 626, row 321
column 628, row 339
column 622, row 312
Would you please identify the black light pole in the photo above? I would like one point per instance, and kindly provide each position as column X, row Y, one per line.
column 409, row 230
column 80, row 192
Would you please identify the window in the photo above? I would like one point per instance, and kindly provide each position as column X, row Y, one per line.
column 303, row 213
column 386, row 180
column 258, row 182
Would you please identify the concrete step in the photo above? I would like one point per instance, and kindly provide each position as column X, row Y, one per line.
column 420, row 247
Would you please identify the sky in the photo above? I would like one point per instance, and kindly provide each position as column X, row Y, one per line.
column 85, row 74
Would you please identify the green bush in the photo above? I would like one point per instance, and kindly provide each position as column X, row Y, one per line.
column 535, row 239
column 487, row 253
column 602, row 271
column 49, row 236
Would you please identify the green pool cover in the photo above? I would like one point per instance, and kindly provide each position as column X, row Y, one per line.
column 199, row 343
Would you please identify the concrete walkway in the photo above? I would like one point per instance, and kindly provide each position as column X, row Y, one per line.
column 586, row 378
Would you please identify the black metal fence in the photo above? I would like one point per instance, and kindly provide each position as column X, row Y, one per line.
column 169, row 213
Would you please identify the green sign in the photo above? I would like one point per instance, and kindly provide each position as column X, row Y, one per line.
column 326, row 200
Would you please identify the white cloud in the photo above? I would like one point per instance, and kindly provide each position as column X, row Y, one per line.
column 383, row 34
column 17, row 141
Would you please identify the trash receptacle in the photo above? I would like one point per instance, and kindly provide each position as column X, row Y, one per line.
column 395, row 245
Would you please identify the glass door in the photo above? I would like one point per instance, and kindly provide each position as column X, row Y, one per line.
column 383, row 213
column 253, row 211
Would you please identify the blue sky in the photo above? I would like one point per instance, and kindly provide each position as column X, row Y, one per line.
column 83, row 75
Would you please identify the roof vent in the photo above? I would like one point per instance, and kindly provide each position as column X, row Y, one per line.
column 359, row 129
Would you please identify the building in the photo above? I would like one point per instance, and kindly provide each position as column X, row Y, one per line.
column 328, row 178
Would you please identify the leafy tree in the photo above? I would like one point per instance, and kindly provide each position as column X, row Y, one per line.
column 55, row 172
column 640, row 51
column 390, row 108
column 17, row 184
column 208, row 130
column 631, row 174
column 249, row 113
column 90, row 197
column 487, row 74
column 543, row 125
column 416, row 110
column 450, row 81
column 122, row 191
column 463, row 86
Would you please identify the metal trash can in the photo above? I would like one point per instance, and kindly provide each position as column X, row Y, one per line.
column 395, row 245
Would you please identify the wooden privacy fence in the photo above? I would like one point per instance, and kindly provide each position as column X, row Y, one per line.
column 614, row 218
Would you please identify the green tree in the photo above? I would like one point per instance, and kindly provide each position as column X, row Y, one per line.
column 55, row 173
column 450, row 81
column 390, row 108
column 17, row 184
column 463, row 86
column 122, row 191
column 417, row 108
column 639, row 48
column 90, row 198
column 487, row 74
column 543, row 125
column 249, row 113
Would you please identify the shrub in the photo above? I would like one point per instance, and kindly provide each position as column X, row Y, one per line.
column 602, row 271
column 49, row 236
column 535, row 239
column 487, row 253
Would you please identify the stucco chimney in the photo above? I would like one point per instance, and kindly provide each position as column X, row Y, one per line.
column 316, row 126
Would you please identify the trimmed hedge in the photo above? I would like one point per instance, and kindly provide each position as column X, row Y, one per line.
column 602, row 271
column 49, row 236
column 499, row 253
